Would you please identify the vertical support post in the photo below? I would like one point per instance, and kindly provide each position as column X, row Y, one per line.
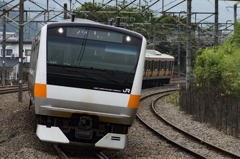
column 188, row 55
column 154, row 36
column 216, row 23
column 199, row 42
column 140, row 5
column 235, row 14
column 20, row 64
column 47, row 11
column 4, row 48
column 179, row 27
column 65, row 10
column 162, row 5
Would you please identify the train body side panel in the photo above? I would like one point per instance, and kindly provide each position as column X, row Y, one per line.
column 136, row 89
column 41, row 65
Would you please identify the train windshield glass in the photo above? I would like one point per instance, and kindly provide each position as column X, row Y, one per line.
column 92, row 48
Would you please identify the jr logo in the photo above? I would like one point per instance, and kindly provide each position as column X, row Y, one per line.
column 127, row 90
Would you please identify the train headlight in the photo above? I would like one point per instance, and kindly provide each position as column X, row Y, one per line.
column 60, row 30
column 128, row 38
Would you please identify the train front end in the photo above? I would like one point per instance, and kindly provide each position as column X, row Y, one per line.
column 87, row 84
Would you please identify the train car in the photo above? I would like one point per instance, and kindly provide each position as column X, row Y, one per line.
column 158, row 68
column 85, row 83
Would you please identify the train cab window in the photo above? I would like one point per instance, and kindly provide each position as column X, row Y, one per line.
column 86, row 47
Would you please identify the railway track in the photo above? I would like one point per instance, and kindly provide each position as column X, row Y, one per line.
column 97, row 153
column 183, row 137
column 11, row 90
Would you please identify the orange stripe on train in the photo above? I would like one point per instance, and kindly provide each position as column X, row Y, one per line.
column 40, row 90
column 134, row 101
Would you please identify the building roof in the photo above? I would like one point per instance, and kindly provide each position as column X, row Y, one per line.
column 9, row 62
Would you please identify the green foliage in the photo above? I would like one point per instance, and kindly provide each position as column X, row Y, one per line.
column 220, row 65
column 103, row 17
column 173, row 98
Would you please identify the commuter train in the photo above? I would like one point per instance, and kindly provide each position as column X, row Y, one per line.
column 158, row 68
column 85, row 83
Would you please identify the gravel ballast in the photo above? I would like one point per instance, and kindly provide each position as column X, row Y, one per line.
column 18, row 140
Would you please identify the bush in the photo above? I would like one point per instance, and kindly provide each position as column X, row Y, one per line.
column 220, row 65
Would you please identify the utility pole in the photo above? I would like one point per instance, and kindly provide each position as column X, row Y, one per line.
column 188, row 55
column 235, row 14
column 154, row 36
column 3, row 49
column 179, row 26
column 20, row 64
column 65, row 11
column 162, row 5
column 199, row 42
column 216, row 23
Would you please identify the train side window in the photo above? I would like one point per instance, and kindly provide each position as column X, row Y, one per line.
column 152, row 63
column 159, row 65
column 162, row 65
column 145, row 66
column 155, row 68
column 148, row 65
column 167, row 66
column 172, row 63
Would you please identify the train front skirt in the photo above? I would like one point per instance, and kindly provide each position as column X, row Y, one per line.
column 54, row 134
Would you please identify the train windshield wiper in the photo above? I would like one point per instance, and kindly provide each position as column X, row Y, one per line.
column 104, row 75
column 129, row 74
column 73, row 70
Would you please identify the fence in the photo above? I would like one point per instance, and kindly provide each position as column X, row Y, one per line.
column 12, row 77
column 215, row 106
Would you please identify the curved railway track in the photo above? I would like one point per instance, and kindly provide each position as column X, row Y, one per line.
column 203, row 146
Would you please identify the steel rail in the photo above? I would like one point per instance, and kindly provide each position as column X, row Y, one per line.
column 99, row 154
column 191, row 135
column 11, row 90
column 160, row 134
column 60, row 152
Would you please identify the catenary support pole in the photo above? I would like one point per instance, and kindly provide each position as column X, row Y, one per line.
column 235, row 14
column 179, row 27
column 188, row 55
column 65, row 11
column 199, row 40
column 154, row 36
column 216, row 23
column 3, row 49
column 20, row 64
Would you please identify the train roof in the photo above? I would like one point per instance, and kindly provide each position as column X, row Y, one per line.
column 157, row 54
